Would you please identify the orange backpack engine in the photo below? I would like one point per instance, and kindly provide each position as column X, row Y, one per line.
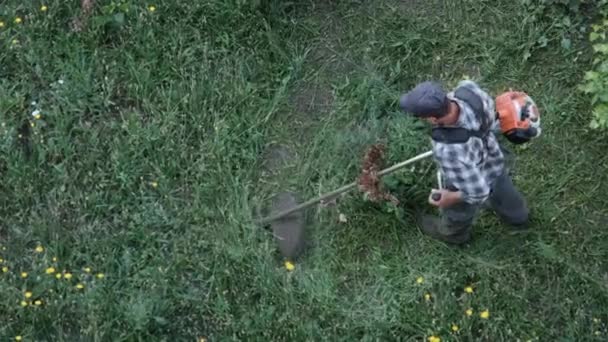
column 518, row 116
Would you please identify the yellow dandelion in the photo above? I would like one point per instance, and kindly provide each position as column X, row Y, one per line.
column 455, row 328
column 44, row 8
column 28, row 294
column 50, row 270
column 38, row 302
column 18, row 20
column 434, row 339
column 154, row 184
column 15, row 42
column 68, row 276
column 58, row 275
column 2, row 24
column 427, row 296
column 1, row 260
column 468, row 289
column 469, row 312
column 4, row 269
column 80, row 286
column 32, row 124
column 37, row 116
column 100, row 275
column 17, row 338
column 289, row 266
column 23, row 274
column 419, row 280
column 87, row 269
column 202, row 339
column 151, row 8
column 23, row 303
column 54, row 259
column 485, row 314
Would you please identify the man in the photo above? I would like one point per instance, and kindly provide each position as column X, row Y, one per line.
column 469, row 158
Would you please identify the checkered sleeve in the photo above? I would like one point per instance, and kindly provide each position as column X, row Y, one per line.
column 463, row 174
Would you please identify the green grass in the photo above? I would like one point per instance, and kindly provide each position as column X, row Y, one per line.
column 191, row 95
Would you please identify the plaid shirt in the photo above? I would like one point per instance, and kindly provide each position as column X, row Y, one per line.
column 470, row 167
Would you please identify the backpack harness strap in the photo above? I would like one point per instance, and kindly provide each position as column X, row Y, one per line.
column 459, row 135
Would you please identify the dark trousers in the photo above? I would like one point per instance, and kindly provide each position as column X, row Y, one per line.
column 506, row 201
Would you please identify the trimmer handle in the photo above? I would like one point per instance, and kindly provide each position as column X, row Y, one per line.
column 436, row 197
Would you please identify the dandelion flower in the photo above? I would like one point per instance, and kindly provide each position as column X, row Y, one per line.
column 202, row 339
column 434, row 339
column 23, row 303
column 39, row 248
column 485, row 314
column 420, row 280
column 1, row 260
column 87, row 269
column 18, row 20
column 80, row 286
column 4, row 269
column 596, row 320
column 2, row 24
column 28, row 294
column 469, row 312
column 289, row 266
column 23, row 274
column 54, row 259
column 44, row 8
column 50, row 270
column 58, row 275
column 455, row 328
column 100, row 275
column 38, row 302
column 68, row 276
column 17, row 338
column 151, row 8
column 427, row 296
column 32, row 124
column 468, row 289
column 597, row 333
column 154, row 184
column 15, row 41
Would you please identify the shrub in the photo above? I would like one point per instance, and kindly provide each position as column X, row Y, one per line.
column 595, row 81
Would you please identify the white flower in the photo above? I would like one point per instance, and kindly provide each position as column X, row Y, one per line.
column 60, row 82
column 36, row 113
column 33, row 103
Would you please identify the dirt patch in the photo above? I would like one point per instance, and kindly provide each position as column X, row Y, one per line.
column 312, row 99
column 288, row 231
column 414, row 6
column 277, row 157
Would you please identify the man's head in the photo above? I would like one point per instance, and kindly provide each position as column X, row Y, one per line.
column 429, row 102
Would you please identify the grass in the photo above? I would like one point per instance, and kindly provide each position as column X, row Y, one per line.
column 146, row 165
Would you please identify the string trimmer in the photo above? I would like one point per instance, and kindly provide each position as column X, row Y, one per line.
column 287, row 222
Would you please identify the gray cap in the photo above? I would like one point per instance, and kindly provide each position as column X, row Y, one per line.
column 425, row 100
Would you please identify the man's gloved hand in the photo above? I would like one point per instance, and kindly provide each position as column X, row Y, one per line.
column 444, row 198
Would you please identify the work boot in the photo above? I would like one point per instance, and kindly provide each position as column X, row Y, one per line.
column 432, row 226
